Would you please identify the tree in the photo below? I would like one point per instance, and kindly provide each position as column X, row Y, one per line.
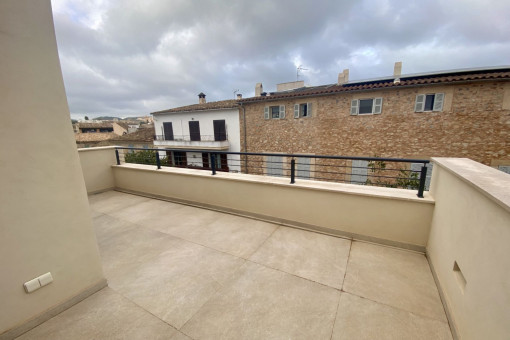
column 86, row 118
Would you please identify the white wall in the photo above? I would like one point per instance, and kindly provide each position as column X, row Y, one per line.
column 45, row 222
column 181, row 127
column 471, row 227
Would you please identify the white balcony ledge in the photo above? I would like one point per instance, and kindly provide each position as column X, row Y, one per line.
column 199, row 145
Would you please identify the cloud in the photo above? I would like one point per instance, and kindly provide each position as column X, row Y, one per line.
column 134, row 57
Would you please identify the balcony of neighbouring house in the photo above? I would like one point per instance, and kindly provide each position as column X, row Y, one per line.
column 199, row 142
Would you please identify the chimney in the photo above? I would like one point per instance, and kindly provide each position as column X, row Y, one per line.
column 258, row 89
column 201, row 98
column 263, row 94
column 343, row 77
column 397, row 69
column 239, row 96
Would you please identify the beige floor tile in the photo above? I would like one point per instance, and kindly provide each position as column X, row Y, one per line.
column 180, row 336
column 263, row 303
column 131, row 248
column 174, row 285
column 359, row 318
column 232, row 234
column 393, row 277
column 313, row 256
column 106, row 227
column 104, row 315
column 153, row 213
column 111, row 201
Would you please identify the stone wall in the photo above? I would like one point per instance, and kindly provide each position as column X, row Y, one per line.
column 474, row 123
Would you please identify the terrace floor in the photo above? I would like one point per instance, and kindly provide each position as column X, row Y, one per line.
column 180, row 272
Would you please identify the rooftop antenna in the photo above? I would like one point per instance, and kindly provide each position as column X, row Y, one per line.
column 300, row 68
column 235, row 91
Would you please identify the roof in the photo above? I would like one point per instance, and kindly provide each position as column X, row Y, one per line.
column 436, row 78
column 93, row 137
column 141, row 135
column 97, row 125
column 122, row 125
column 222, row 104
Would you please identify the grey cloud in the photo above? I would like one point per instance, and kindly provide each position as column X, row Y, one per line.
column 147, row 56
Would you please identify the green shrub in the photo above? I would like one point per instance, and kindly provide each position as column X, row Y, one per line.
column 141, row 157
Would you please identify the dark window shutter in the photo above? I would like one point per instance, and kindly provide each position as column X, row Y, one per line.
column 194, row 130
column 168, row 131
column 220, row 130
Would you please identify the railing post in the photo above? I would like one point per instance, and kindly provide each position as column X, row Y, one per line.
column 213, row 163
column 117, row 156
column 292, row 171
column 158, row 161
column 423, row 178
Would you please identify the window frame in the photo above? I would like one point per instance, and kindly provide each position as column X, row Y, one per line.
column 377, row 105
column 298, row 110
column 268, row 112
column 437, row 102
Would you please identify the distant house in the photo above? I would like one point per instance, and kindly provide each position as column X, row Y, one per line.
column 93, row 133
column 204, row 127
column 456, row 113
column 142, row 138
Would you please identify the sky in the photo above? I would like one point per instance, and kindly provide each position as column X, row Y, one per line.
column 130, row 57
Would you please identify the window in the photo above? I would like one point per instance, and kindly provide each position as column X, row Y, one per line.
column 194, row 130
column 220, row 130
column 303, row 167
column 504, row 168
column 168, row 131
column 274, row 165
column 416, row 167
column 429, row 102
column 366, row 106
column 274, row 112
column 302, row 110
column 359, row 172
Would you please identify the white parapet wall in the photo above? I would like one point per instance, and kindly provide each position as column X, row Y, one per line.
column 469, row 244
column 395, row 217
column 96, row 166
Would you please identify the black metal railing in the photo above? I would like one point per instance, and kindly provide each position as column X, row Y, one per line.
column 375, row 171
column 190, row 138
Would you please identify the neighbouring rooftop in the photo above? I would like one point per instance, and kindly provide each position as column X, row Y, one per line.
column 182, row 272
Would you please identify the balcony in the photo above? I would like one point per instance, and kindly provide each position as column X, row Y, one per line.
column 183, row 272
column 199, row 142
column 271, row 259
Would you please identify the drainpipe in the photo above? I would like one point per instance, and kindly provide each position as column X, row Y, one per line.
column 245, row 138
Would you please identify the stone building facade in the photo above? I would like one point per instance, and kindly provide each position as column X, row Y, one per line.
column 470, row 118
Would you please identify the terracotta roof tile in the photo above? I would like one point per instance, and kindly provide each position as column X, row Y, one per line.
column 141, row 135
column 95, row 125
column 222, row 104
column 405, row 81
column 93, row 136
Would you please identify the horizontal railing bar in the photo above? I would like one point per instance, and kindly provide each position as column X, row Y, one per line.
column 403, row 160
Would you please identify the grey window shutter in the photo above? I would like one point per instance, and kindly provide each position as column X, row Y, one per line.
column 296, row 110
column 282, row 111
column 359, row 172
column 309, row 109
column 354, row 107
column 438, row 102
column 377, row 106
column 266, row 112
column 420, row 103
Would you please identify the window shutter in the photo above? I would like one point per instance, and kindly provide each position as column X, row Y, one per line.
column 420, row 103
column 282, row 111
column 309, row 109
column 354, row 107
column 438, row 102
column 377, row 106
column 296, row 110
column 266, row 112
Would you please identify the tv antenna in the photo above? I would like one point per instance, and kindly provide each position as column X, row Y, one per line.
column 235, row 91
column 300, row 68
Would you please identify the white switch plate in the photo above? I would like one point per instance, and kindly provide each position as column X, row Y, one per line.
column 45, row 279
column 32, row 285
